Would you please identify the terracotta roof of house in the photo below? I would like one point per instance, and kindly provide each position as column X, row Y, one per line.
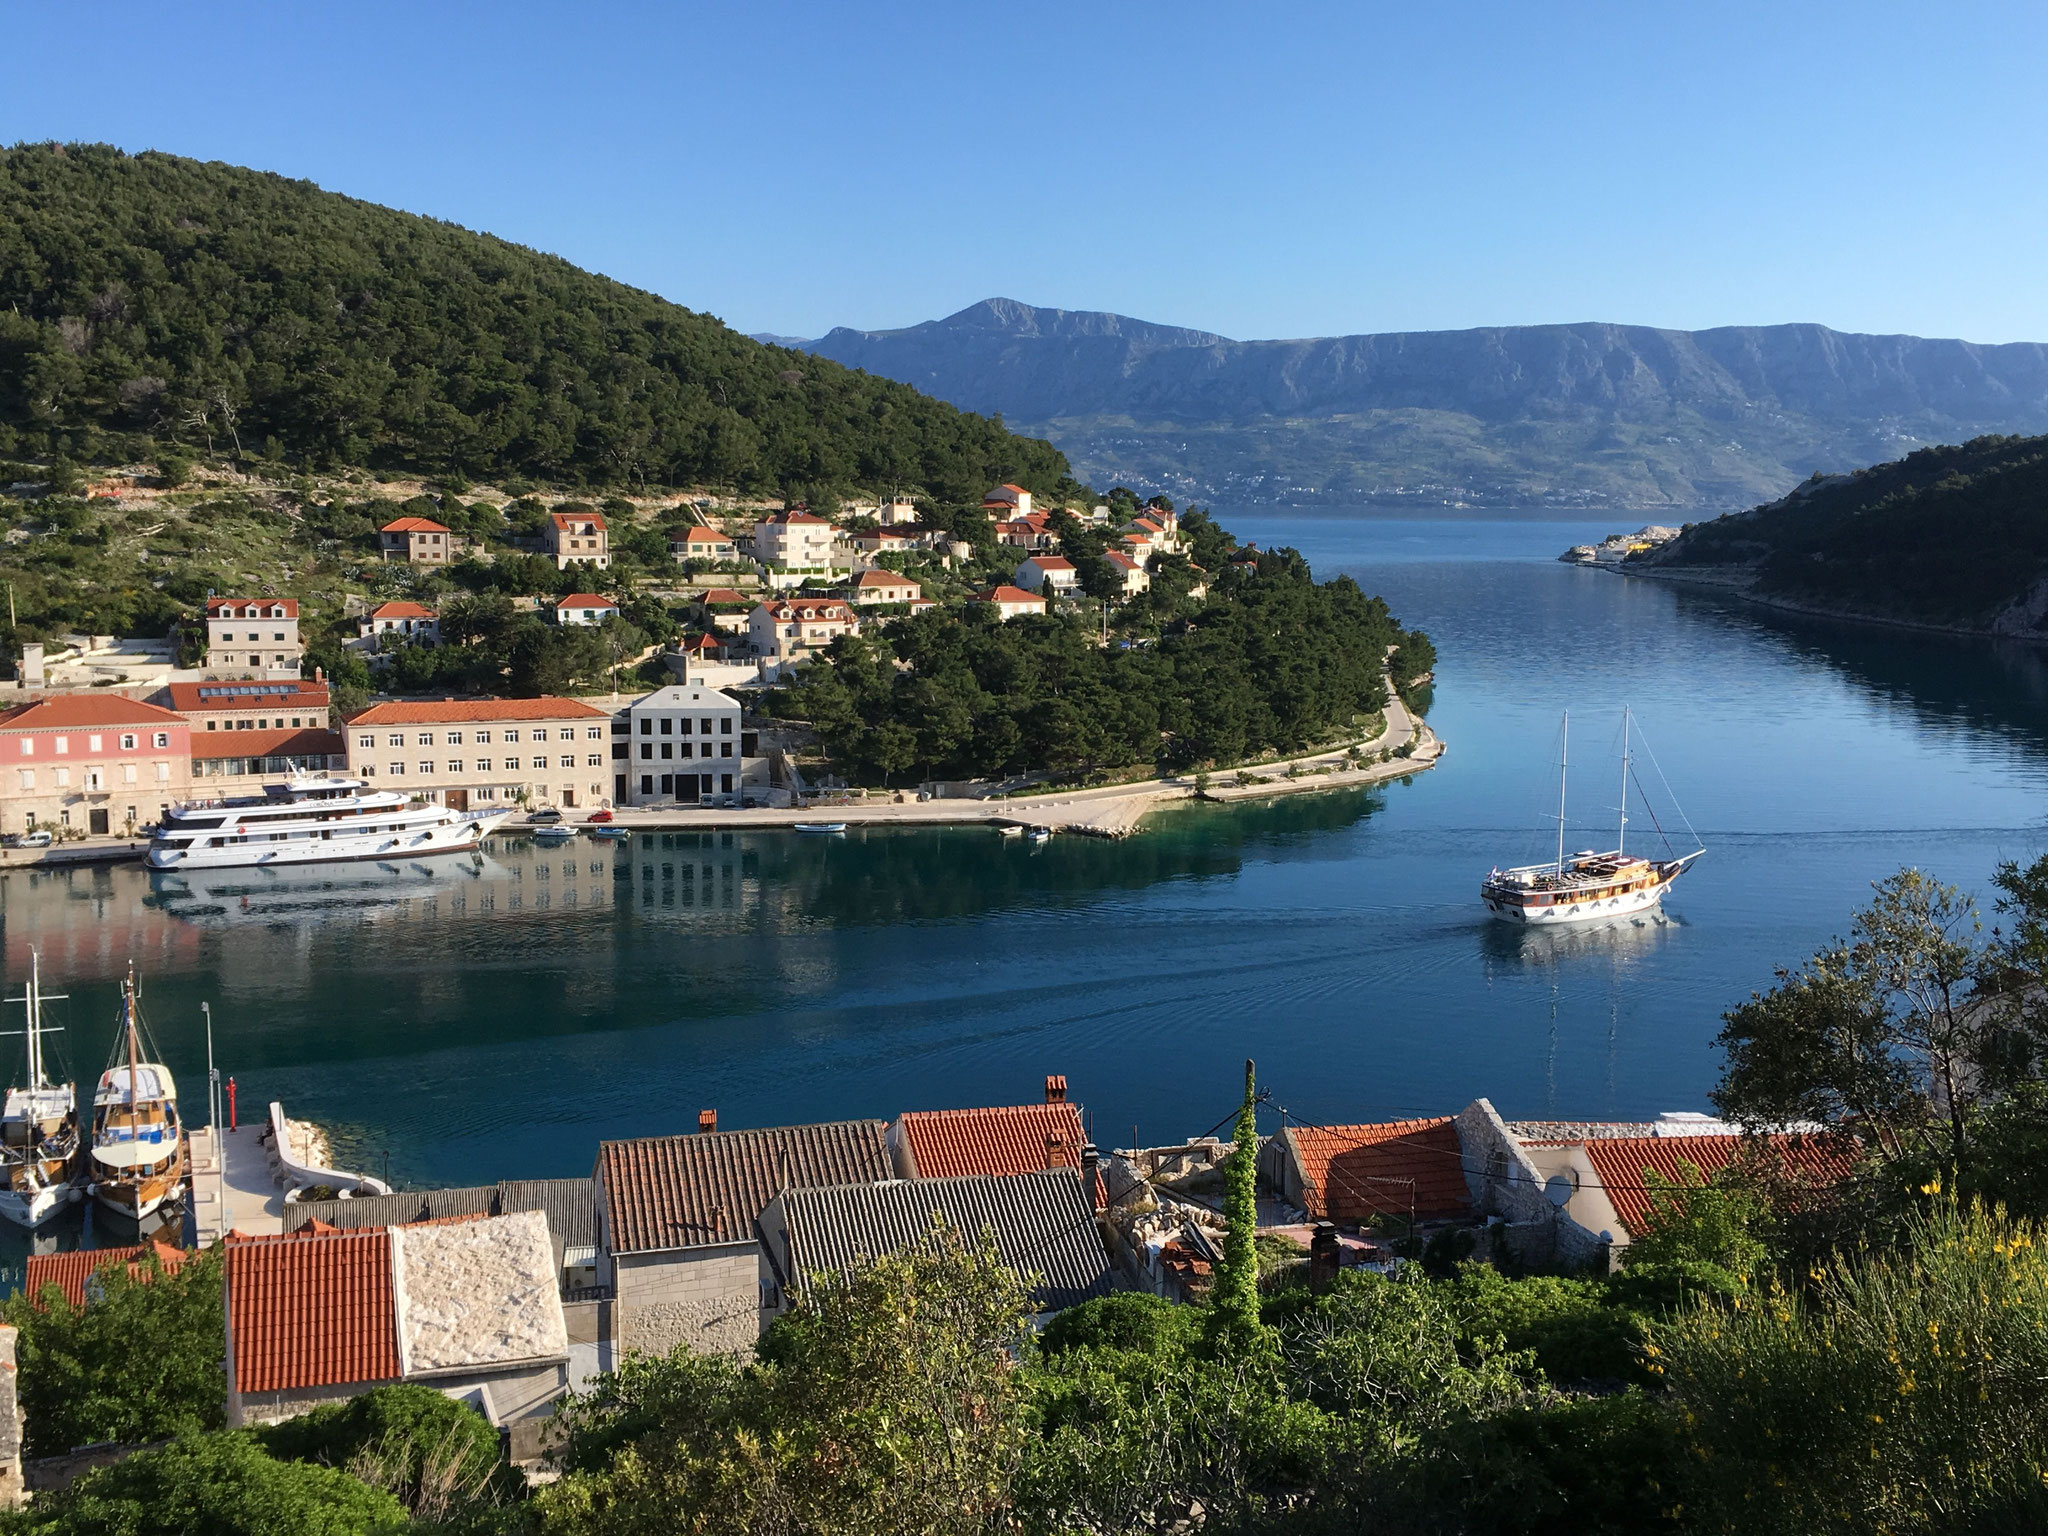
column 216, row 606
column 717, row 595
column 1008, row 594
column 883, row 579
column 401, row 611
column 699, row 643
column 1042, row 1224
column 1357, row 1171
column 414, row 525
column 77, row 711
column 314, row 1310
column 569, row 520
column 253, row 694
column 791, row 517
column 997, row 494
column 466, row 711
column 585, row 600
column 1120, row 560
column 670, row 1192
column 1051, row 562
column 70, row 1271
column 1621, row 1162
column 821, row 609
column 289, row 742
column 705, row 536
column 949, row 1143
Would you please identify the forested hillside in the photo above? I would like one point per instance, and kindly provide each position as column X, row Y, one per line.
column 148, row 300
column 1955, row 536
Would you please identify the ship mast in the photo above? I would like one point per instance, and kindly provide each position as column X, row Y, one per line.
column 1564, row 759
column 35, row 1021
column 128, row 1007
column 1621, row 837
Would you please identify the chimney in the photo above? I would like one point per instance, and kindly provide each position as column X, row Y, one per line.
column 1324, row 1256
column 1090, row 1160
column 1056, row 1152
column 707, row 1121
column 1055, row 1089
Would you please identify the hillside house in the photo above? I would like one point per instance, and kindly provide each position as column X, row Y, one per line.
column 787, row 631
column 417, row 540
column 794, row 547
column 1055, row 571
column 585, row 608
column 253, row 636
column 1007, row 501
column 577, row 538
column 1135, row 577
column 1010, row 602
column 405, row 623
column 702, row 544
column 1412, row 1169
column 879, row 586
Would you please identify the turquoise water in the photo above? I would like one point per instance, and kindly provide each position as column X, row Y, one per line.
column 473, row 1022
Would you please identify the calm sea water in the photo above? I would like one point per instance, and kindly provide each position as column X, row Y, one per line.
column 496, row 1018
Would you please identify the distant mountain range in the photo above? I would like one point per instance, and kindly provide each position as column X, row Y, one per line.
column 1563, row 416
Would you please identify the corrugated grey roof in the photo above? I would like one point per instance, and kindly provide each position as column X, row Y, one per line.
column 1042, row 1224
column 570, row 1206
column 669, row 1192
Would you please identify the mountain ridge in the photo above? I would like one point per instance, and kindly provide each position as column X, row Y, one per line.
column 1589, row 413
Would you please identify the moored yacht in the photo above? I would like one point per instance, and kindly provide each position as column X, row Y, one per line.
column 1589, row 885
column 138, row 1146
column 312, row 820
column 38, row 1128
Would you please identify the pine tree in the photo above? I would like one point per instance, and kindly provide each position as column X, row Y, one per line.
column 1237, row 1277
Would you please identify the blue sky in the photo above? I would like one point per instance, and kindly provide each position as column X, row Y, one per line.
column 1255, row 170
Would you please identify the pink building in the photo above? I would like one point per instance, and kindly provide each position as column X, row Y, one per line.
column 95, row 762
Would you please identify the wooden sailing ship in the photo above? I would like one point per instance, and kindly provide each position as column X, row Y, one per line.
column 138, row 1146
column 39, row 1135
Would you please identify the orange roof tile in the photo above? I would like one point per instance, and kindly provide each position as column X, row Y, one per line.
column 251, row 607
column 1622, row 1161
column 81, row 711
column 465, row 711
column 951, row 1143
column 569, row 520
column 1051, row 562
column 401, row 611
column 1357, row 1171
column 414, row 525
column 70, row 1271
column 882, row 579
column 307, row 742
column 585, row 600
column 316, row 1310
column 1007, row 594
column 717, row 595
column 1120, row 560
column 705, row 536
column 253, row 694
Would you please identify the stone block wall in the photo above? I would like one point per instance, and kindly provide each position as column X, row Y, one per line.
column 1505, row 1183
column 707, row 1298
column 11, row 1426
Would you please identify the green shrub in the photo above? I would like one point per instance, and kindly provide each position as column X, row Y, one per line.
column 1129, row 1320
column 1577, row 1330
column 421, row 1446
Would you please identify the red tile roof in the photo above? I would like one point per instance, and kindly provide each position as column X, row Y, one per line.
column 70, row 1271
column 585, row 600
column 816, row 612
column 1051, row 562
column 570, row 521
column 401, row 611
column 465, row 711
column 1356, row 1171
column 1621, row 1163
column 717, row 595
column 791, row 517
column 1120, row 560
column 671, row 1192
column 312, row 1311
column 951, row 1143
column 414, row 525
column 207, row 745
column 883, row 579
column 82, row 711
column 705, row 536
column 251, row 607
column 218, row 698
column 1008, row 594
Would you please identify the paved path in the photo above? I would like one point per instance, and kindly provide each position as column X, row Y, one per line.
column 233, row 1190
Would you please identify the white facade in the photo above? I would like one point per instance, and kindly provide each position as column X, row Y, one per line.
column 685, row 745
column 410, row 622
column 795, row 542
column 792, row 629
column 585, row 608
column 1034, row 573
column 255, row 636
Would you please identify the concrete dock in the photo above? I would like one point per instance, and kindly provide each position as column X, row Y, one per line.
column 233, row 1187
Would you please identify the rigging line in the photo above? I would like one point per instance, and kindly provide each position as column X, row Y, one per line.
column 1667, row 790
column 1652, row 811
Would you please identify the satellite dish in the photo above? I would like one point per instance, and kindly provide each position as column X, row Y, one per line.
column 1557, row 1189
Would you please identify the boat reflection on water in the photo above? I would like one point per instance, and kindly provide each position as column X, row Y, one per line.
column 1617, row 938
column 297, row 893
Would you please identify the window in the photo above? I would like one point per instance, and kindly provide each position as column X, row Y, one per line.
column 163, row 739
column 394, row 740
column 28, row 778
column 366, row 741
column 725, row 726
column 278, row 636
column 725, row 749
column 425, row 739
column 63, row 745
column 568, row 733
column 28, row 746
column 594, row 760
column 594, row 733
column 705, row 727
column 163, row 773
column 455, row 765
column 646, row 750
column 483, row 765
column 483, row 738
column 568, row 760
column 646, row 727
column 396, row 770
column 667, row 726
column 646, row 783
column 211, row 725
column 454, row 738
column 127, row 741
column 127, row 773
column 427, row 767
column 540, row 734
column 63, row 778
column 668, row 750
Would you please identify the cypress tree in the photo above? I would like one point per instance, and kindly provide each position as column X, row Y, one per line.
column 1237, row 1277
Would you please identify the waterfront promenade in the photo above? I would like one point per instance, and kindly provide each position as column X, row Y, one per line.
column 233, row 1187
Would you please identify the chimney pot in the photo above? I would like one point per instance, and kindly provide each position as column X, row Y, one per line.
column 707, row 1121
column 1056, row 1151
column 1090, row 1160
column 1325, row 1256
column 1055, row 1088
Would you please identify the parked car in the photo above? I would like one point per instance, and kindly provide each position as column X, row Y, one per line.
column 36, row 839
column 599, row 816
column 544, row 818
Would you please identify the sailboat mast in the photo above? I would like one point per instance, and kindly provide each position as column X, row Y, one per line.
column 128, row 1006
column 35, row 1020
column 1564, row 760
column 1621, row 836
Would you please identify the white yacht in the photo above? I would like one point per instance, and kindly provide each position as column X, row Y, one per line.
column 1591, row 885
column 312, row 821
column 39, row 1135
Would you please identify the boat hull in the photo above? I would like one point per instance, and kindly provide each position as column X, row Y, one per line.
column 456, row 833
column 31, row 1207
column 1557, row 914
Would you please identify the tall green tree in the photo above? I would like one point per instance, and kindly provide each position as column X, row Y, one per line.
column 1236, row 1293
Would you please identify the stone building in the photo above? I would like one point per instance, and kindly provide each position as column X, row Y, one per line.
column 478, row 754
column 253, row 636
column 686, row 744
column 95, row 762
column 678, row 1223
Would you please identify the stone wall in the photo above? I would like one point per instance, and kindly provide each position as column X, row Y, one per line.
column 1504, row 1183
column 11, row 1427
column 708, row 1298
column 477, row 1293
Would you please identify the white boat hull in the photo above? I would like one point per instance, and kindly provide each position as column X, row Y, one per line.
column 31, row 1208
column 1578, row 912
column 443, row 831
